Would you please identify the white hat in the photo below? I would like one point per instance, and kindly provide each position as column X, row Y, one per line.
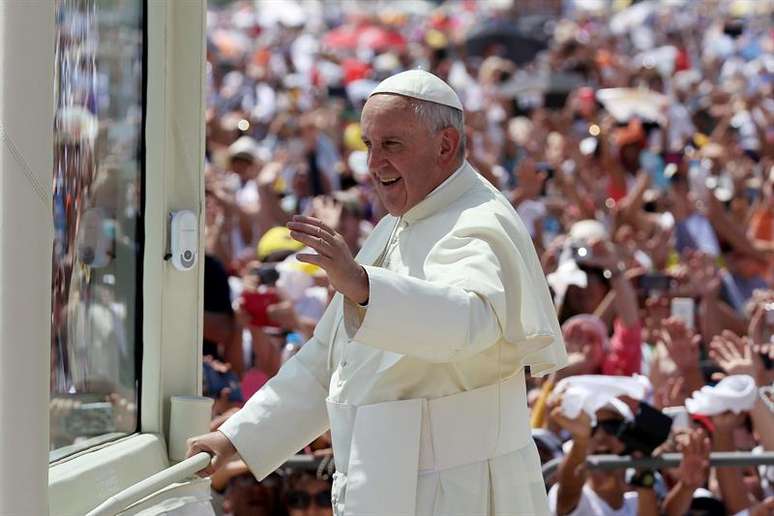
column 421, row 85
column 587, row 230
column 245, row 146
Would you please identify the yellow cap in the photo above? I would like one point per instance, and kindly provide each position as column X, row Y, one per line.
column 275, row 240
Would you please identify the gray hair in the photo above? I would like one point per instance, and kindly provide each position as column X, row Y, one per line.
column 437, row 117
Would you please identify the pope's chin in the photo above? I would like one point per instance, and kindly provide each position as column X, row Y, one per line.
column 393, row 197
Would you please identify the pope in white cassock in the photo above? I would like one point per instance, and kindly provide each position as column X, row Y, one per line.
column 417, row 365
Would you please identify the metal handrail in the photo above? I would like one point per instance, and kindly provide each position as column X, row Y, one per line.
column 180, row 471
column 150, row 485
column 667, row 460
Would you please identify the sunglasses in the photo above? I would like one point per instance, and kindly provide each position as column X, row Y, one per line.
column 302, row 499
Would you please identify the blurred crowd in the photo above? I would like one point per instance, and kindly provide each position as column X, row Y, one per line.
column 635, row 140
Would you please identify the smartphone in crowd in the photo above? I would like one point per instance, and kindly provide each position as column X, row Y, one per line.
column 683, row 308
column 654, row 283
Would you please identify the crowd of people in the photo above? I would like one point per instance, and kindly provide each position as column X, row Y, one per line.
column 636, row 142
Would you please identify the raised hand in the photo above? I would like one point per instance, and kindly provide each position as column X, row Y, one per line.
column 334, row 256
column 734, row 354
column 682, row 343
column 579, row 427
column 694, row 466
column 762, row 299
column 670, row 393
column 283, row 314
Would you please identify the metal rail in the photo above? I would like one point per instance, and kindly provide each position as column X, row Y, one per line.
column 190, row 466
column 150, row 485
column 667, row 460
column 180, row 471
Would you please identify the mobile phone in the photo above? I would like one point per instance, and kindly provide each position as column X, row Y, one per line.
column 546, row 167
column 257, row 302
column 654, row 282
column 683, row 308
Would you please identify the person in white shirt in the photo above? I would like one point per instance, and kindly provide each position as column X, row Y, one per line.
column 580, row 492
column 418, row 364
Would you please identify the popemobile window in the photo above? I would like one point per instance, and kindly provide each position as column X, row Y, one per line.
column 97, row 219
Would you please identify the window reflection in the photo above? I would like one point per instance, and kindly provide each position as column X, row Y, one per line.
column 97, row 252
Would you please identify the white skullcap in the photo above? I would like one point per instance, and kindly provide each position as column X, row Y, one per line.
column 419, row 84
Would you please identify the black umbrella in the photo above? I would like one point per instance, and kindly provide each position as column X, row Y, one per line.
column 507, row 40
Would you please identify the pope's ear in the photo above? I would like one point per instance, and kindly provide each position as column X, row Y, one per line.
column 450, row 143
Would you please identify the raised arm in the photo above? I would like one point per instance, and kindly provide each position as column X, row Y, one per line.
column 732, row 487
column 572, row 470
column 692, row 473
column 458, row 308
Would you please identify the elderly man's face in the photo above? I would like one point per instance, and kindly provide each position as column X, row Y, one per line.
column 403, row 154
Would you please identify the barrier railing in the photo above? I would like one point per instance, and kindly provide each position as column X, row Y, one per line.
column 667, row 460
column 190, row 466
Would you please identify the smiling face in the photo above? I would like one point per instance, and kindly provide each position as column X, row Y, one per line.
column 405, row 159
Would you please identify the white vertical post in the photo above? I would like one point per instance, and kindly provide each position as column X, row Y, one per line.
column 26, row 163
column 174, row 180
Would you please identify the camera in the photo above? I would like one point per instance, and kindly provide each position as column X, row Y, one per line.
column 649, row 429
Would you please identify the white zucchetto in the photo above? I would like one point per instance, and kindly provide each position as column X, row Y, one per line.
column 421, row 85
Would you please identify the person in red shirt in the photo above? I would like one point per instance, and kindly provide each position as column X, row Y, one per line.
column 609, row 291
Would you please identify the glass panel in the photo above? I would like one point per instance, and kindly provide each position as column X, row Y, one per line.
column 97, row 258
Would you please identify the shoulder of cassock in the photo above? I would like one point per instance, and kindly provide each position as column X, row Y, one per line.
column 466, row 234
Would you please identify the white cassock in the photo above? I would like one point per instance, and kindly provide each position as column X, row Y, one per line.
column 423, row 389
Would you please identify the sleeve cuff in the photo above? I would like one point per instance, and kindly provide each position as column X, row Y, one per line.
column 354, row 314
